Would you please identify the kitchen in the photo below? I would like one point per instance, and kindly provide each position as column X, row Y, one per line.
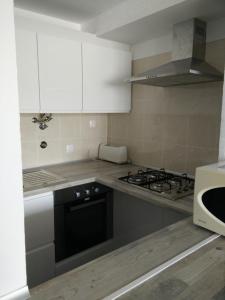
column 124, row 146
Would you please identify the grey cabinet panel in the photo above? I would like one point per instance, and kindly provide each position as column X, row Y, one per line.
column 40, row 265
column 39, row 220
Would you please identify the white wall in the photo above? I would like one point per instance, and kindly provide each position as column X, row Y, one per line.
column 12, row 242
column 52, row 26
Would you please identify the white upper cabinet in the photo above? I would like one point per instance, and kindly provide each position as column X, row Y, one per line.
column 60, row 74
column 104, row 73
column 57, row 75
column 27, row 69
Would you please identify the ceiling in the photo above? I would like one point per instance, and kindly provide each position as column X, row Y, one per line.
column 121, row 23
column 161, row 23
column 77, row 11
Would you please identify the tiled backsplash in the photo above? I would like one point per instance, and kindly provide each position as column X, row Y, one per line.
column 64, row 129
column 177, row 127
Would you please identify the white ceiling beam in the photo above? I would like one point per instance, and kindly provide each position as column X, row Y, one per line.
column 125, row 13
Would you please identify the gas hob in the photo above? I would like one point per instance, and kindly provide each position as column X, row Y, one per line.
column 169, row 185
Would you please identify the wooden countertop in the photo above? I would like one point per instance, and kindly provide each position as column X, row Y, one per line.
column 108, row 174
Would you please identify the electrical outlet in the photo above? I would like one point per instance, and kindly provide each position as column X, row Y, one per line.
column 70, row 148
column 92, row 123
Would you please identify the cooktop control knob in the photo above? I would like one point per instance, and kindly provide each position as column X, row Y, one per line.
column 87, row 192
column 97, row 190
column 77, row 194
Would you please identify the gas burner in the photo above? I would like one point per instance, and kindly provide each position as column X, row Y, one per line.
column 157, row 175
column 152, row 176
column 169, row 185
column 137, row 179
column 175, row 181
column 160, row 187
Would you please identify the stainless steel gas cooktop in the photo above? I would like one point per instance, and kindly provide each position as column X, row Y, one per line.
column 169, row 185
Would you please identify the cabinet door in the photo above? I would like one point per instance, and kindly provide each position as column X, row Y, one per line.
column 60, row 74
column 104, row 74
column 40, row 265
column 27, row 69
column 39, row 220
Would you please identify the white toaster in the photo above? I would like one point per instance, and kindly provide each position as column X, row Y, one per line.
column 116, row 154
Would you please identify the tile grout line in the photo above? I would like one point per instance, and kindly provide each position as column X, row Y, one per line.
column 142, row 279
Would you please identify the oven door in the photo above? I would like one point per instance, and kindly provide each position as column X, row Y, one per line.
column 80, row 227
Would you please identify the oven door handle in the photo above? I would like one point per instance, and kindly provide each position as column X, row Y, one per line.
column 83, row 205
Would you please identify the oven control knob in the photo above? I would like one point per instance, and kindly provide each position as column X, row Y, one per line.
column 97, row 190
column 87, row 192
column 77, row 194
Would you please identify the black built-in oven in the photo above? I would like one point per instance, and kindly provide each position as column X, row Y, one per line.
column 83, row 218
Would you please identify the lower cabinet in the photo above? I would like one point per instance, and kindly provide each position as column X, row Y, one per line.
column 39, row 236
column 39, row 220
column 40, row 265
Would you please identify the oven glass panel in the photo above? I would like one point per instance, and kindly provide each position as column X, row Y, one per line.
column 85, row 226
column 214, row 201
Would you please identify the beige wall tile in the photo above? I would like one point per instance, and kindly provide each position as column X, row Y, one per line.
column 118, row 126
column 70, row 126
column 217, row 60
column 64, row 129
column 135, row 150
column 194, row 99
column 79, row 152
column 101, row 125
column 151, row 154
column 197, row 156
column 52, row 132
column 51, row 154
column 135, row 126
column 142, row 65
column 174, row 157
column 91, row 146
column 29, row 130
column 175, row 127
column 203, row 131
column 152, row 131
column 29, row 154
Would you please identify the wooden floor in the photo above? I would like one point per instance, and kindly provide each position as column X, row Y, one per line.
column 101, row 277
column 200, row 276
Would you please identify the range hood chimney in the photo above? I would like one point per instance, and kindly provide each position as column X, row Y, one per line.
column 188, row 65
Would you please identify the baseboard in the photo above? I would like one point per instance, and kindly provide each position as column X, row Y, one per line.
column 20, row 294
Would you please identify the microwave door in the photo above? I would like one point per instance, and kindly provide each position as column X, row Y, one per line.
column 214, row 201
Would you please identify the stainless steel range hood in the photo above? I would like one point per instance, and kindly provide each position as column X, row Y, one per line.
column 188, row 65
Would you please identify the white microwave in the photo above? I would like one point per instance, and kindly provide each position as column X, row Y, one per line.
column 209, row 197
